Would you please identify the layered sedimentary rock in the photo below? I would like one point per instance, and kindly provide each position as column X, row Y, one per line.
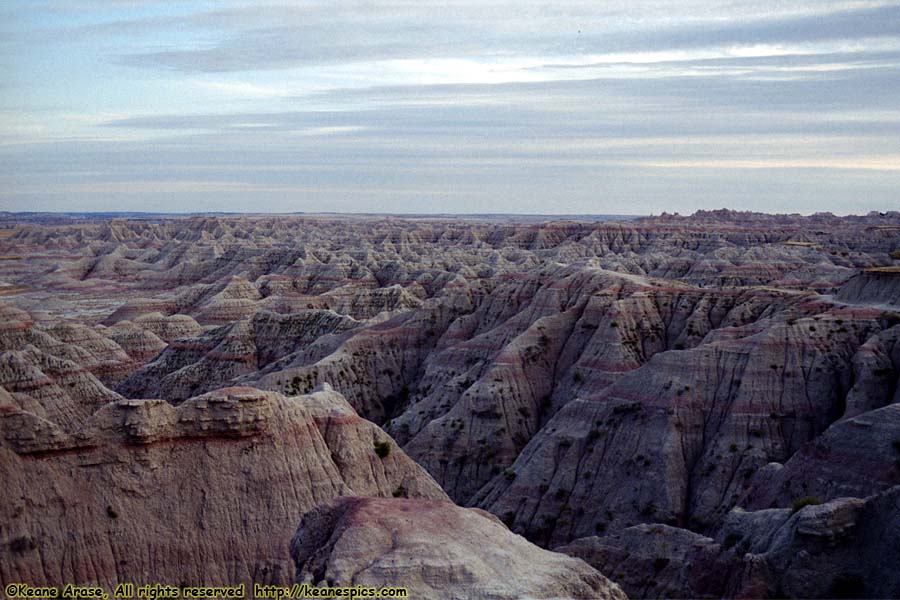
column 308, row 257
column 628, row 388
column 841, row 549
column 655, row 561
column 210, row 491
column 168, row 328
column 873, row 286
column 101, row 355
column 52, row 388
column 845, row 548
column 436, row 550
column 192, row 365
column 140, row 344
column 91, row 350
column 579, row 332
column 678, row 440
column 855, row 458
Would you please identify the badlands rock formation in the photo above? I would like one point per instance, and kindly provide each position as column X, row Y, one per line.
column 845, row 548
column 438, row 550
column 210, row 491
column 873, row 286
column 645, row 394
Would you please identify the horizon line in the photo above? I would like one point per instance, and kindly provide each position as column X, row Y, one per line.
column 432, row 214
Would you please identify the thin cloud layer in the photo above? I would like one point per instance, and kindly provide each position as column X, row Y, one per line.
column 401, row 107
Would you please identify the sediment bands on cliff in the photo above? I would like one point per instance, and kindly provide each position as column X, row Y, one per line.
column 210, row 491
column 633, row 392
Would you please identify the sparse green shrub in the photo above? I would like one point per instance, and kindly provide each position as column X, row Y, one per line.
column 629, row 407
column 382, row 449
column 111, row 512
column 803, row 502
column 22, row 544
column 400, row 492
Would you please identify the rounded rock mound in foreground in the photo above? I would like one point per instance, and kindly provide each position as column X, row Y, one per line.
column 435, row 549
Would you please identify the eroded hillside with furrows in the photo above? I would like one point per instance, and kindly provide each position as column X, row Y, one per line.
column 589, row 384
column 211, row 490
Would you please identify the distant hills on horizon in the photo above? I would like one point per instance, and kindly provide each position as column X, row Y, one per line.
column 723, row 214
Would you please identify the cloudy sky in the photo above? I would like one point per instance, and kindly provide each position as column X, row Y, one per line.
column 613, row 106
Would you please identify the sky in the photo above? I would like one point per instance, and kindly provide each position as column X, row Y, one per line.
column 600, row 107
